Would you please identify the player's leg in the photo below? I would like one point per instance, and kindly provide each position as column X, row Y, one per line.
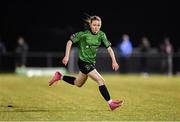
column 79, row 81
column 103, row 90
column 96, row 77
column 101, row 82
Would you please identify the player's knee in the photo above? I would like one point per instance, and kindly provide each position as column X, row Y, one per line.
column 78, row 85
column 100, row 82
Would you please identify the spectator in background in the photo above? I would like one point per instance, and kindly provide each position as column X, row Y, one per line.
column 125, row 49
column 144, row 50
column 20, row 55
column 2, row 53
column 167, row 51
column 167, row 47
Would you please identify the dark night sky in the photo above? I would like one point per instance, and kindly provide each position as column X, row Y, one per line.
column 46, row 25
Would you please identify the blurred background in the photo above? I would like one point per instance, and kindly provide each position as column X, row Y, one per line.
column 45, row 27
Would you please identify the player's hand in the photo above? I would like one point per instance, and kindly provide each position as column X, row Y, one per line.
column 115, row 66
column 65, row 60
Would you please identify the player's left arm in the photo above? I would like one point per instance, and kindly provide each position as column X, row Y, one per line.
column 115, row 65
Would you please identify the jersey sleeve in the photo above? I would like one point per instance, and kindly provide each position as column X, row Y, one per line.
column 76, row 37
column 105, row 41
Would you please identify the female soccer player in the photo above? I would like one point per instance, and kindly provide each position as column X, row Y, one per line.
column 89, row 41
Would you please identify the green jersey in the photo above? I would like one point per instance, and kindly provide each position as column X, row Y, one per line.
column 88, row 44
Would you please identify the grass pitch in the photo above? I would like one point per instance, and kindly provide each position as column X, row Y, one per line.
column 155, row 98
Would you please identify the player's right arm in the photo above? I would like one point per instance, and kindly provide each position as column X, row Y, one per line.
column 67, row 53
column 74, row 38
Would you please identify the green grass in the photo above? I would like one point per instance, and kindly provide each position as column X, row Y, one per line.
column 156, row 98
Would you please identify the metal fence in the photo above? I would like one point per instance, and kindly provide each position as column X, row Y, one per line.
column 155, row 62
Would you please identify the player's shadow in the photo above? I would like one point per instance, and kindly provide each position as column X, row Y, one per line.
column 11, row 108
column 40, row 109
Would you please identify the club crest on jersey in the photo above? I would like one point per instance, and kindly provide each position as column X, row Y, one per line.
column 87, row 46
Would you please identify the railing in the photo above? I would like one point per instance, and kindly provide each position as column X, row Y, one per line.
column 33, row 59
column 155, row 62
column 53, row 59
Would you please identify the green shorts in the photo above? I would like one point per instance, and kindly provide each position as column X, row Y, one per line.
column 85, row 67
